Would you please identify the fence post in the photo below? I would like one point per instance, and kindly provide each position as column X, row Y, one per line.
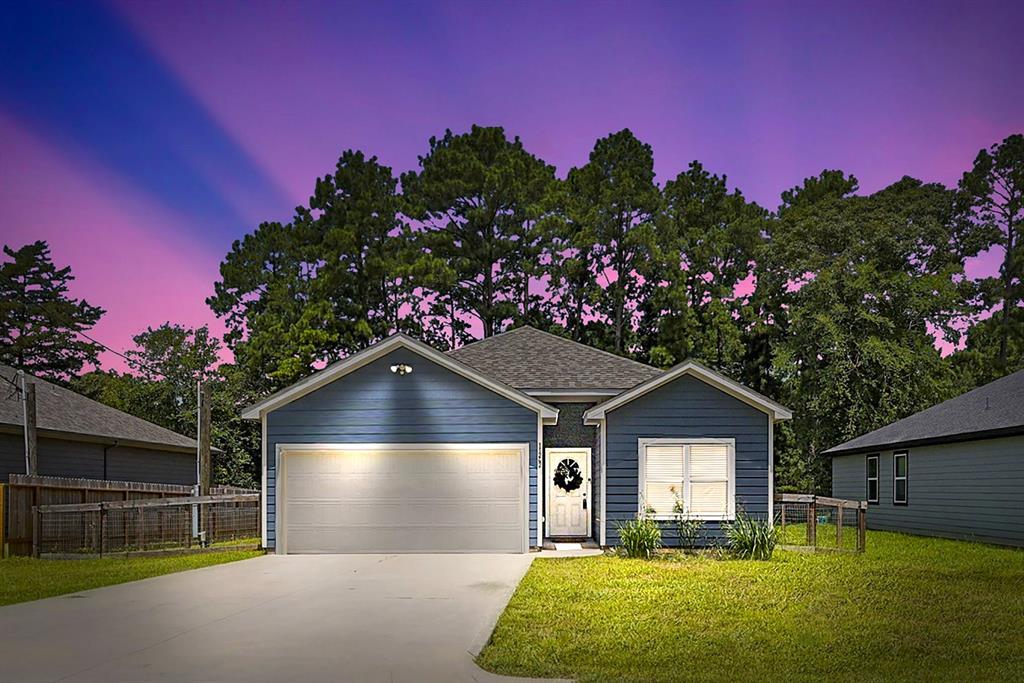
column 37, row 520
column 839, row 525
column 862, row 527
column 3, row 523
column 103, row 530
column 812, row 523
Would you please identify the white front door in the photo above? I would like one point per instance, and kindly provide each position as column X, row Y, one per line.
column 568, row 491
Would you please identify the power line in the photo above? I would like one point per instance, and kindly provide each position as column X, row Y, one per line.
column 71, row 326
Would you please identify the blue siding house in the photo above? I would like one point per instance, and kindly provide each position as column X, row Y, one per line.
column 955, row 470
column 509, row 443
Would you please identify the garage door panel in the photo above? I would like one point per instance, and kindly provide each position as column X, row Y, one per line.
column 467, row 499
column 405, row 487
column 398, row 513
column 402, row 540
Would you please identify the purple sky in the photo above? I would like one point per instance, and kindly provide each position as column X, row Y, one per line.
column 140, row 139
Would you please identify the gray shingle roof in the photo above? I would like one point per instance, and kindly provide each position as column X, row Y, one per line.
column 527, row 358
column 63, row 410
column 992, row 409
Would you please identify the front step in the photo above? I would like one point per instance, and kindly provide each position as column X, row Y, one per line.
column 570, row 543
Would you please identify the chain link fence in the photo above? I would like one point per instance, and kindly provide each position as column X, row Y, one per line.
column 133, row 527
column 821, row 523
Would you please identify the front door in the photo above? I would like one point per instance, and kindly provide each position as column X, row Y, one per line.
column 568, row 491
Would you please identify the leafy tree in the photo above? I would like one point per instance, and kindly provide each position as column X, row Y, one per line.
column 766, row 316
column 978, row 362
column 331, row 282
column 991, row 195
column 166, row 364
column 40, row 324
column 608, row 211
column 870, row 278
column 570, row 222
column 475, row 201
column 706, row 246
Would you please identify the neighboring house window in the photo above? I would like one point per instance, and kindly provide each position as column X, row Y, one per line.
column 899, row 478
column 872, row 473
column 699, row 473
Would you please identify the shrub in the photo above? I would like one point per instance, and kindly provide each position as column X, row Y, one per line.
column 689, row 529
column 640, row 537
column 751, row 539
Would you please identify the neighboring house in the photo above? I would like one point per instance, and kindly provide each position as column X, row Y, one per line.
column 402, row 448
column 79, row 437
column 954, row 470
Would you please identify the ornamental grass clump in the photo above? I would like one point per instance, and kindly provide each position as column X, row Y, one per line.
column 640, row 537
column 751, row 539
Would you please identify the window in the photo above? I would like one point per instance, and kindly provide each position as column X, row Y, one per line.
column 899, row 478
column 697, row 473
column 872, row 473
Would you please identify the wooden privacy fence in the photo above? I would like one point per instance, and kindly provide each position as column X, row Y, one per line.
column 821, row 523
column 25, row 492
column 132, row 527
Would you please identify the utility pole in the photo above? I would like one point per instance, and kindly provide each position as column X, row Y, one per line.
column 28, row 397
column 205, row 395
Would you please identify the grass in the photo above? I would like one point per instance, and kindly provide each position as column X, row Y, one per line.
column 910, row 608
column 25, row 578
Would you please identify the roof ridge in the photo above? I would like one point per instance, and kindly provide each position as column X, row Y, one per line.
column 493, row 336
column 560, row 338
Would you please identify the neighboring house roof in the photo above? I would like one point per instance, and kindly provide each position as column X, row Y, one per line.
column 528, row 359
column 707, row 375
column 994, row 409
column 358, row 360
column 61, row 412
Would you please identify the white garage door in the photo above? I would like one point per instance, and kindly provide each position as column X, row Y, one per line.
column 447, row 498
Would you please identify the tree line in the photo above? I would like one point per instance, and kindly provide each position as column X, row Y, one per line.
column 830, row 302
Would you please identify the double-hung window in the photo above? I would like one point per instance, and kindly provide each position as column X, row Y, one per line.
column 872, row 475
column 899, row 478
column 695, row 476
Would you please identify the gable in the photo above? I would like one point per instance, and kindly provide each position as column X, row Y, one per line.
column 373, row 391
column 415, row 351
column 689, row 395
column 691, row 369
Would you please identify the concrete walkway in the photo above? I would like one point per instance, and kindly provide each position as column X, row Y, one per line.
column 358, row 618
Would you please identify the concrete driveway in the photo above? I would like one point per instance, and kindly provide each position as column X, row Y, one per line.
column 359, row 618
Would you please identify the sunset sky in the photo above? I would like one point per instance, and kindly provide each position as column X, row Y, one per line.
column 140, row 138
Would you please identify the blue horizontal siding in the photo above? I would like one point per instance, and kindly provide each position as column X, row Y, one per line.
column 685, row 408
column 373, row 405
column 971, row 490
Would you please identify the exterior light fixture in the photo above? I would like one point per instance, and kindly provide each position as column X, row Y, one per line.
column 401, row 369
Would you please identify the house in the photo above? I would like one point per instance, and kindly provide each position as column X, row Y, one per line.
column 504, row 444
column 79, row 437
column 954, row 470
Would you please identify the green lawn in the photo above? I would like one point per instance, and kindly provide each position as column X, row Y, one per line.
column 24, row 578
column 909, row 609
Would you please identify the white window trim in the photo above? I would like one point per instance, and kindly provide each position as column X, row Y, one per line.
column 905, row 478
column 868, row 478
column 642, row 445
